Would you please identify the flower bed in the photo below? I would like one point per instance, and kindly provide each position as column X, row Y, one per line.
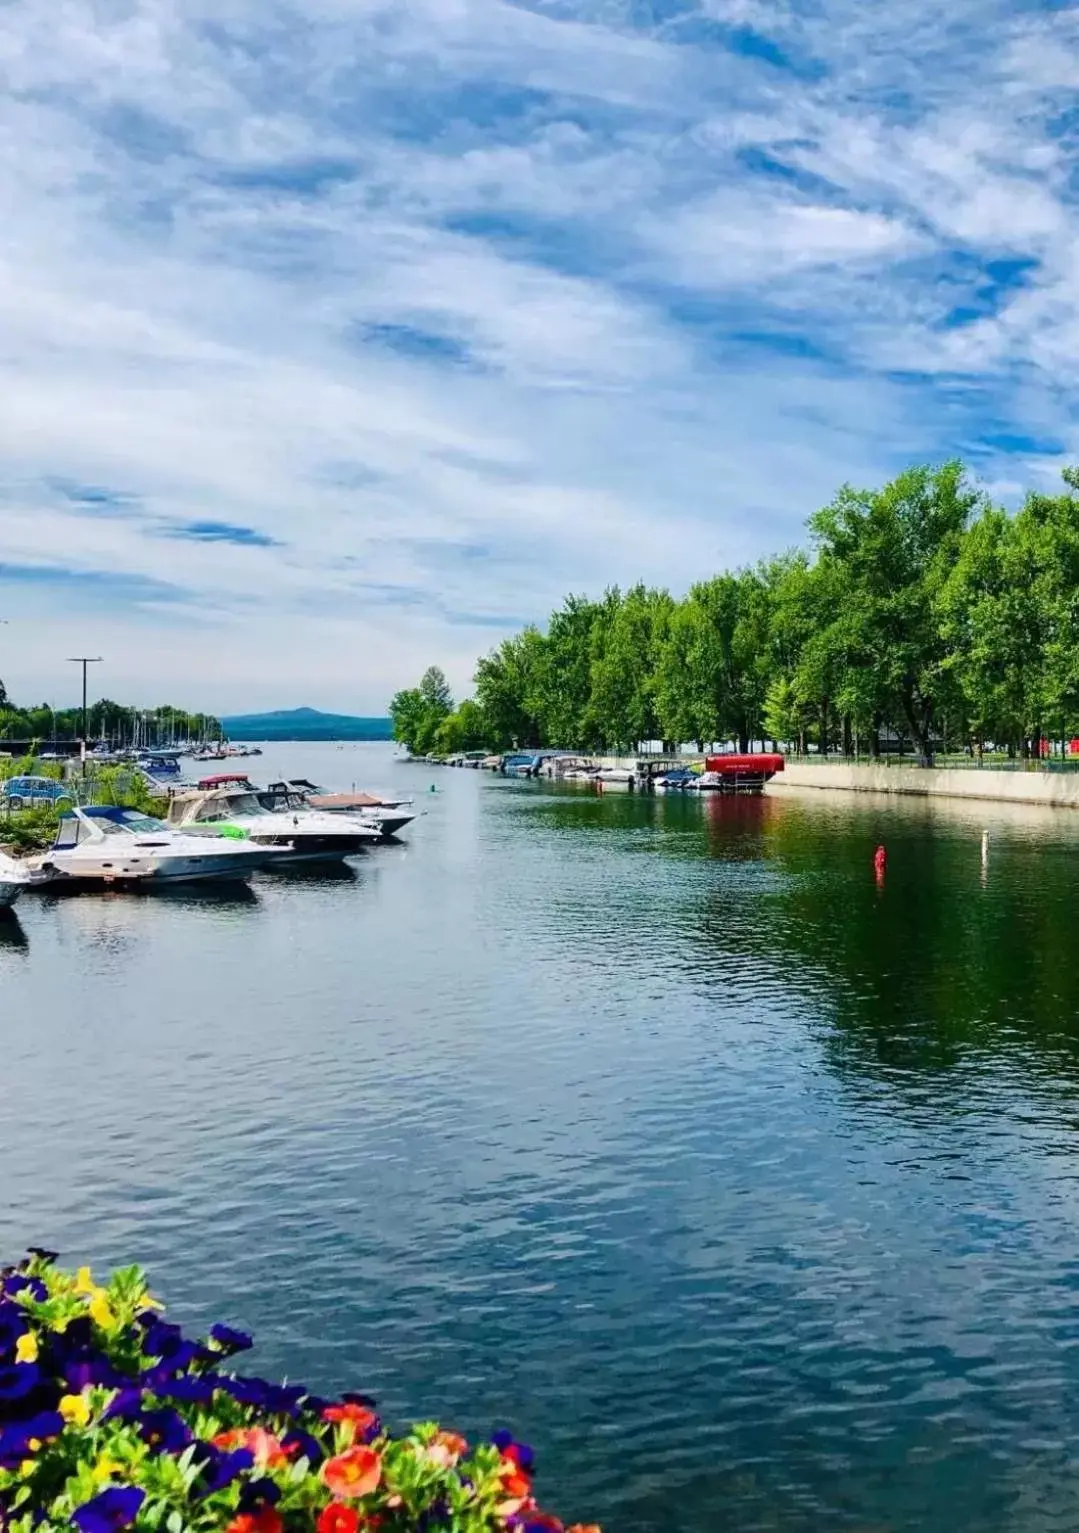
column 111, row 1418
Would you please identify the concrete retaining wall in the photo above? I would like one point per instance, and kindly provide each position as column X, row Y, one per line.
column 1055, row 790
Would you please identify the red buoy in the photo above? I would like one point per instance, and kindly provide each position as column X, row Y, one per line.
column 880, row 861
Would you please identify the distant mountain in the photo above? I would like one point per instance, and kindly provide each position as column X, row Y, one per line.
column 305, row 724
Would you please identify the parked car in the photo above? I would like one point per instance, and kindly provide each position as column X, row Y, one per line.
column 26, row 792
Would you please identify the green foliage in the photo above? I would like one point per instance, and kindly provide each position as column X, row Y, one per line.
column 174, row 1441
column 920, row 609
column 418, row 713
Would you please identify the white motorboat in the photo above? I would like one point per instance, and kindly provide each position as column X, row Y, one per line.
column 390, row 816
column 115, row 845
column 230, row 804
column 620, row 779
column 15, row 876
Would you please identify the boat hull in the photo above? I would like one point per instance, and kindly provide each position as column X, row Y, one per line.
column 111, row 868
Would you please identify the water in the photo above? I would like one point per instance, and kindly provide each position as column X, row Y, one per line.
column 746, row 1189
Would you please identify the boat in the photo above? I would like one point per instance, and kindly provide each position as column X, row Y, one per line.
column 737, row 773
column 15, row 876
column 676, row 780
column 391, row 815
column 107, row 844
column 621, row 779
column 229, row 803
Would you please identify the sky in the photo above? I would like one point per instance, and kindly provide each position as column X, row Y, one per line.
column 342, row 337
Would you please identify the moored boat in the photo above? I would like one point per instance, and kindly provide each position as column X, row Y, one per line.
column 230, row 804
column 105, row 844
column 390, row 816
column 16, row 876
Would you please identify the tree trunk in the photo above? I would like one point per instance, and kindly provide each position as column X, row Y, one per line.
column 848, row 743
column 824, row 727
column 874, row 738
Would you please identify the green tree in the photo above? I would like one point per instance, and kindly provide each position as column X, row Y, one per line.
column 887, row 555
column 624, row 671
column 463, row 730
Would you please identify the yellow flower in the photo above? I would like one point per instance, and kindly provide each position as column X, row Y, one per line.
column 100, row 1313
column 75, row 1409
column 104, row 1470
column 84, row 1281
column 27, row 1467
column 26, row 1348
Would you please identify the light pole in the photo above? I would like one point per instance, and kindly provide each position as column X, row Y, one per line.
column 84, row 661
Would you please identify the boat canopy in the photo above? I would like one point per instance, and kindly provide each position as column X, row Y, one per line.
column 225, row 780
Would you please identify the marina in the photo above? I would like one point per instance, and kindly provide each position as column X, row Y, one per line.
column 568, row 1095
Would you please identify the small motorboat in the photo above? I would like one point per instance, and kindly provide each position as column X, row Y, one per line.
column 230, row 804
column 620, row 779
column 391, row 815
column 16, row 876
column 675, row 781
column 110, row 845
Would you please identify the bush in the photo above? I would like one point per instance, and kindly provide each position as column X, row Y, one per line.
column 111, row 1418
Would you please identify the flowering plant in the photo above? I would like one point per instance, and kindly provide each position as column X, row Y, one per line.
column 111, row 1418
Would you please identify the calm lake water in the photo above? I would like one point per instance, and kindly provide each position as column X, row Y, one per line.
column 745, row 1189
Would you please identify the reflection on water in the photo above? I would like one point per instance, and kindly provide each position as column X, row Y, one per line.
column 12, row 935
column 653, row 1126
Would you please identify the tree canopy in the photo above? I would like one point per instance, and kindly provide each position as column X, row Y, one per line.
column 919, row 610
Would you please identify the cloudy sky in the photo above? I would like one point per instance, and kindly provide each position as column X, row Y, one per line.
column 342, row 336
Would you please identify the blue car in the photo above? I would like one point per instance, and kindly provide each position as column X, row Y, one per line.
column 26, row 792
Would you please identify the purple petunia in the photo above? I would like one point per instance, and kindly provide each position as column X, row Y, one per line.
column 17, row 1381
column 12, row 1325
column 18, row 1283
column 257, row 1494
column 15, row 1440
column 112, row 1509
column 220, row 1469
column 227, row 1340
column 303, row 1445
column 164, row 1429
column 192, row 1389
column 522, row 1453
column 125, row 1405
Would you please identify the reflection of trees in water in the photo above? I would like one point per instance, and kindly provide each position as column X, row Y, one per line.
column 941, row 963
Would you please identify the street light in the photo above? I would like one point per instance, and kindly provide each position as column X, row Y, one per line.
column 84, row 661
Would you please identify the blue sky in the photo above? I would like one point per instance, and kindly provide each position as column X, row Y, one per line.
column 340, row 337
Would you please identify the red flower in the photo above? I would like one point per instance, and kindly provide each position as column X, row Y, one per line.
column 352, row 1474
column 338, row 1519
column 515, row 1483
column 515, row 1454
column 358, row 1417
column 266, row 1521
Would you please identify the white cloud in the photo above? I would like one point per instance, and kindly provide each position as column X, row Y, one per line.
column 463, row 304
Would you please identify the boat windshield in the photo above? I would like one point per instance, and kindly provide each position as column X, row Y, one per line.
column 231, row 804
column 132, row 824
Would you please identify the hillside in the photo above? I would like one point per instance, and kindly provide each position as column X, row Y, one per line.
column 304, row 724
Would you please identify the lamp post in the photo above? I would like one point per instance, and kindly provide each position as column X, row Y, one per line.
column 85, row 661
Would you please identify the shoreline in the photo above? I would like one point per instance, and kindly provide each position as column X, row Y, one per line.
column 1050, row 790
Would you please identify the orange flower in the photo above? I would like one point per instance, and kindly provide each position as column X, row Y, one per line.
column 269, row 1454
column 352, row 1474
column 339, row 1519
column 456, row 1444
column 266, row 1521
column 515, row 1482
column 358, row 1417
column 585, row 1527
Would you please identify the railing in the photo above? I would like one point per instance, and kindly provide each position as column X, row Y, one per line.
column 940, row 762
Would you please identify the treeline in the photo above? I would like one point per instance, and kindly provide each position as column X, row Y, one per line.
column 920, row 612
column 105, row 720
